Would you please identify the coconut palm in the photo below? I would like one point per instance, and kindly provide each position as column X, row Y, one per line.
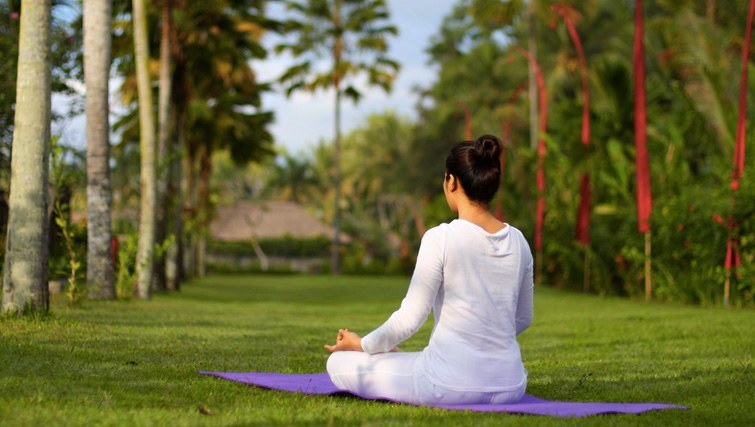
column 215, row 102
column 353, row 36
column 223, row 100
column 97, row 41
column 294, row 178
column 26, row 256
column 377, row 162
column 163, row 136
column 147, row 148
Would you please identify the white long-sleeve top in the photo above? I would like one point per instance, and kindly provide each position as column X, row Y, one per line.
column 480, row 288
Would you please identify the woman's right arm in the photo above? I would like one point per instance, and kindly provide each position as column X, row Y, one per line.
column 416, row 306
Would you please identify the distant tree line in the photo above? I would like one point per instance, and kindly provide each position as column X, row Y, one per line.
column 558, row 81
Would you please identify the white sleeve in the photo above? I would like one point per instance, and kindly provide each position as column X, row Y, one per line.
column 525, row 302
column 416, row 306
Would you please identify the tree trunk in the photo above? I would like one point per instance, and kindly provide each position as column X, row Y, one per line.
column 174, row 274
column 163, row 141
column 710, row 11
column 147, row 145
column 532, row 48
column 26, row 251
column 97, row 42
column 174, row 271
column 336, row 251
column 203, row 210
column 337, row 50
column 642, row 168
column 189, row 255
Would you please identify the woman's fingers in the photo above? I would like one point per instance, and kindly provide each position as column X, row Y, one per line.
column 339, row 345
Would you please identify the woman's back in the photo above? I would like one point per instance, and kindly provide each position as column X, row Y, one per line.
column 484, row 301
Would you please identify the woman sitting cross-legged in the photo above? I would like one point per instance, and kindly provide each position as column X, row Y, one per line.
column 475, row 274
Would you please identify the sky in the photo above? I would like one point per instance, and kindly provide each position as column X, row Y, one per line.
column 304, row 119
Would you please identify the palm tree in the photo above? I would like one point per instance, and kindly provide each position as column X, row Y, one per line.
column 163, row 136
column 223, row 102
column 532, row 75
column 217, row 127
column 583, row 214
column 348, row 33
column 174, row 271
column 215, row 103
column 293, row 178
column 732, row 243
column 377, row 163
column 97, row 41
column 26, row 256
column 147, row 137
column 643, row 189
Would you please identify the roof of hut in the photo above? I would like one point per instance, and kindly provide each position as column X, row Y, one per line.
column 246, row 220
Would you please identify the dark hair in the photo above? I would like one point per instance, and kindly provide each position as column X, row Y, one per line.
column 477, row 166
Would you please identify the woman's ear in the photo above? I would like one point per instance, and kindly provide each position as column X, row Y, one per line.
column 452, row 183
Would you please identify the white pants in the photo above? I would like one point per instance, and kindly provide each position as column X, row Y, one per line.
column 398, row 377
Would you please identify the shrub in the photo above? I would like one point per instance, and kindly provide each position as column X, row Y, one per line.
column 285, row 246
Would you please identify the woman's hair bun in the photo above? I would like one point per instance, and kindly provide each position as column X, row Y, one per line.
column 477, row 166
column 488, row 148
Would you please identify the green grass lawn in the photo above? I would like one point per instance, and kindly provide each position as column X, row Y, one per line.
column 135, row 363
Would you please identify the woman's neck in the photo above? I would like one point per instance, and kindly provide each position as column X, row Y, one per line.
column 479, row 215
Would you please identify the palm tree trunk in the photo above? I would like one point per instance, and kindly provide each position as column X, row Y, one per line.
column 336, row 254
column 710, row 11
column 583, row 212
column 163, row 139
column 174, row 274
column 147, row 132
column 26, row 251
column 467, row 122
column 541, row 152
column 643, row 189
column 337, row 50
column 190, row 190
column 174, row 271
column 97, row 46
column 532, row 48
column 732, row 243
column 205, row 172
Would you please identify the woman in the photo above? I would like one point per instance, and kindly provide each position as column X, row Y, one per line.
column 475, row 273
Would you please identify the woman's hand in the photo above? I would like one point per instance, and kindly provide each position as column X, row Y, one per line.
column 346, row 341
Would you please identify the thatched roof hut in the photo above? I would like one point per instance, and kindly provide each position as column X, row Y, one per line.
column 246, row 220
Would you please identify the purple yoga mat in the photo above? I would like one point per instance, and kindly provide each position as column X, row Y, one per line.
column 321, row 384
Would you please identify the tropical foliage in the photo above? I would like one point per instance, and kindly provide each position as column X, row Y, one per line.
column 380, row 183
column 692, row 87
column 352, row 36
column 692, row 66
column 63, row 50
column 216, row 105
